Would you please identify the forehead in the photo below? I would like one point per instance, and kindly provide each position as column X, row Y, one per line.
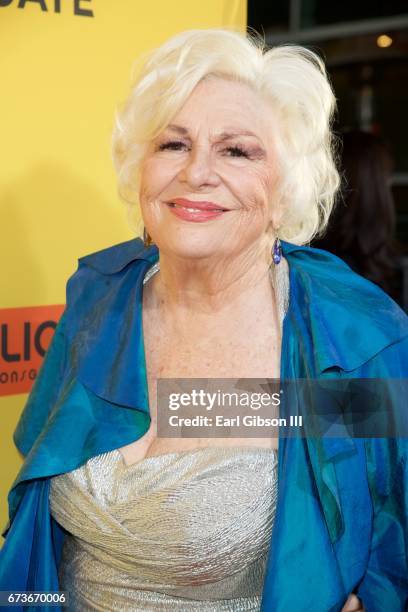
column 218, row 103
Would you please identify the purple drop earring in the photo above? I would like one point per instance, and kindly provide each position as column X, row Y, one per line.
column 277, row 251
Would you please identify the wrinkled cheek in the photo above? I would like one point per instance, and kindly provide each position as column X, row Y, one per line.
column 144, row 200
column 145, row 186
column 259, row 190
column 149, row 194
column 152, row 210
column 157, row 181
column 257, row 210
column 251, row 222
column 148, row 206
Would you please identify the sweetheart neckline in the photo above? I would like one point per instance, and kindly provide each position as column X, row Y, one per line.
column 190, row 451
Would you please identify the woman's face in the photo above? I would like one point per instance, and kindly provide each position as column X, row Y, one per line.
column 217, row 154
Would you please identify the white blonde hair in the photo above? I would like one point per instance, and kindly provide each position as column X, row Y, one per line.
column 291, row 78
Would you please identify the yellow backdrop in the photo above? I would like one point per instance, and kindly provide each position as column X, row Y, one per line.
column 64, row 65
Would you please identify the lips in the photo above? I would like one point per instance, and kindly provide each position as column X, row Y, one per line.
column 196, row 206
column 188, row 210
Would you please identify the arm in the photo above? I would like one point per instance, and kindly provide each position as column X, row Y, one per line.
column 385, row 583
column 29, row 506
column 44, row 392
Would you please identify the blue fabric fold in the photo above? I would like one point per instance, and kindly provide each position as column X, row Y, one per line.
column 338, row 526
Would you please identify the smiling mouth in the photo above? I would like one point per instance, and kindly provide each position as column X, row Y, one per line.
column 191, row 209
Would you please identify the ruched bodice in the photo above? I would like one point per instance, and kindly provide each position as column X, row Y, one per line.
column 183, row 531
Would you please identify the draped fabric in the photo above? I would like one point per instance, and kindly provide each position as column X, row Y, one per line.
column 180, row 531
column 342, row 507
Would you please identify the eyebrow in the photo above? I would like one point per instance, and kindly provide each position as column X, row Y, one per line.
column 226, row 135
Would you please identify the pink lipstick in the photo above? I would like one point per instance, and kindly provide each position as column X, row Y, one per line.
column 196, row 210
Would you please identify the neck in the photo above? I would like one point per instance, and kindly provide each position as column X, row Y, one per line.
column 205, row 288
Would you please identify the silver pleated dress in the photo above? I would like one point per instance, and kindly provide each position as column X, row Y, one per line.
column 185, row 531
column 180, row 532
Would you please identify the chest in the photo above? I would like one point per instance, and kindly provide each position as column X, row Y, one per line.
column 243, row 347
column 247, row 350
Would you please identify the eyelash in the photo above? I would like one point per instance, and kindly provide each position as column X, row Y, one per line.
column 172, row 144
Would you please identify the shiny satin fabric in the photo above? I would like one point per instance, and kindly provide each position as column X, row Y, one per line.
column 341, row 516
column 179, row 531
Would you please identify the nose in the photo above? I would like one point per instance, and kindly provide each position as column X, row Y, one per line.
column 198, row 169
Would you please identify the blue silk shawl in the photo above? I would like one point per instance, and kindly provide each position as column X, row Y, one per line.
column 341, row 522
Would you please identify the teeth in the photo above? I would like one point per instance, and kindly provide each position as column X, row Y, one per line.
column 194, row 209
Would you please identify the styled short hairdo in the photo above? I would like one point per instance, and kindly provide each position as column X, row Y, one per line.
column 291, row 78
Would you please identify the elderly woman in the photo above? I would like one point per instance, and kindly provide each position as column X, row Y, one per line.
column 227, row 148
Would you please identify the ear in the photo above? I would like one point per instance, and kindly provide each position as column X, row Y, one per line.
column 276, row 215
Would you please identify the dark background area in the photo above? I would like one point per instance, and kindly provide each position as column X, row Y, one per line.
column 365, row 47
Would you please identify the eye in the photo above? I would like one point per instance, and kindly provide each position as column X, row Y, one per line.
column 237, row 152
column 173, row 145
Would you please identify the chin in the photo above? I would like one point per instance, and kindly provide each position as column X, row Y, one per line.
column 189, row 248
